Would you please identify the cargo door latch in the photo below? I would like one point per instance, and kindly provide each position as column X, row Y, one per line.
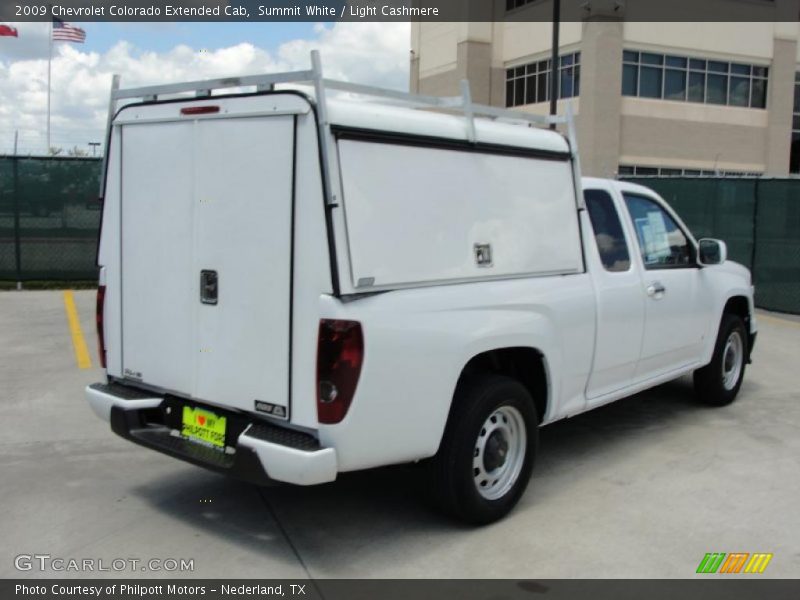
column 483, row 255
column 209, row 287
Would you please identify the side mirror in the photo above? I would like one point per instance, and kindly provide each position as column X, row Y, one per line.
column 712, row 252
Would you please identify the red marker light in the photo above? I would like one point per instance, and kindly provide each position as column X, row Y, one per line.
column 199, row 110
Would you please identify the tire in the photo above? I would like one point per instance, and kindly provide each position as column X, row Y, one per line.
column 487, row 452
column 718, row 383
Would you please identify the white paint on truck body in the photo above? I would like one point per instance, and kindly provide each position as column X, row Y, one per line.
column 208, row 195
column 416, row 215
column 240, row 191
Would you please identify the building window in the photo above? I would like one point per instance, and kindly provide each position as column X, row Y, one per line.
column 794, row 159
column 530, row 83
column 667, row 77
column 512, row 4
column 643, row 171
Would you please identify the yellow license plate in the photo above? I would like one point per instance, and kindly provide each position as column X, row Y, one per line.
column 204, row 426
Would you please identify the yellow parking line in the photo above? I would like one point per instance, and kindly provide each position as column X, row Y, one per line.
column 78, row 341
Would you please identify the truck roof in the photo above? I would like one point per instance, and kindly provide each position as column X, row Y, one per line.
column 589, row 182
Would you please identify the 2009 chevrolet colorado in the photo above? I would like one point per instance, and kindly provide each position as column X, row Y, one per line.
column 294, row 287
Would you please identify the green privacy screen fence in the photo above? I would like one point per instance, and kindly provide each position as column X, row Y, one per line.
column 759, row 219
column 49, row 218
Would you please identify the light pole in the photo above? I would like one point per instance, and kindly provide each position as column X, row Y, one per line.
column 554, row 61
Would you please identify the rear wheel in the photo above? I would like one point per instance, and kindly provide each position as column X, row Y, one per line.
column 486, row 457
column 718, row 383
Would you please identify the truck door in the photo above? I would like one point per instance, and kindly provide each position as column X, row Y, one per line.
column 620, row 305
column 206, row 252
column 674, row 314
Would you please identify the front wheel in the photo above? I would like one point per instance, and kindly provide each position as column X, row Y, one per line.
column 486, row 457
column 718, row 383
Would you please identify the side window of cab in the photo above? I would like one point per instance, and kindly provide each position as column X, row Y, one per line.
column 608, row 233
column 663, row 244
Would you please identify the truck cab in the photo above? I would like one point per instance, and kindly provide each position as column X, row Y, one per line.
column 660, row 293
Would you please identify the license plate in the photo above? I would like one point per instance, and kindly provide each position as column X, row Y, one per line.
column 204, row 426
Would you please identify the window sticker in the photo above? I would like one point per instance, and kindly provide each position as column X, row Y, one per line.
column 653, row 237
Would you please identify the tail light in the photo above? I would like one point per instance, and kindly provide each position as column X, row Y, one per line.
column 340, row 352
column 101, row 341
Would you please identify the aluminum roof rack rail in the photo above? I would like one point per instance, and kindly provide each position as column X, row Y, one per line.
column 461, row 104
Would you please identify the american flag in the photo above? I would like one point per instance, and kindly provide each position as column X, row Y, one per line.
column 8, row 30
column 64, row 32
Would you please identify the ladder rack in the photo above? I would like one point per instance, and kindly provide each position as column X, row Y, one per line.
column 459, row 104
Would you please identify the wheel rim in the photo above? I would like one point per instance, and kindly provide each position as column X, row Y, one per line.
column 732, row 360
column 499, row 452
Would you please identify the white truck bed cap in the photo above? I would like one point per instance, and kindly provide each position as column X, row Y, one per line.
column 382, row 117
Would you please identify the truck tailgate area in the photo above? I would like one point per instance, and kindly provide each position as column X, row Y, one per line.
column 206, row 232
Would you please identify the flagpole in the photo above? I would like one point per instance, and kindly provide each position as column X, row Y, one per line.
column 49, row 68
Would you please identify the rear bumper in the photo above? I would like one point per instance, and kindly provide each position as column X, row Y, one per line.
column 259, row 452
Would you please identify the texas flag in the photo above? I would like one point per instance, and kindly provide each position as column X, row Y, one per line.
column 7, row 30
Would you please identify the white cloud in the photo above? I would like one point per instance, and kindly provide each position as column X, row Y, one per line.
column 371, row 53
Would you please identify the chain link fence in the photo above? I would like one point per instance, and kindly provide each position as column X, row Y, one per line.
column 49, row 218
column 759, row 219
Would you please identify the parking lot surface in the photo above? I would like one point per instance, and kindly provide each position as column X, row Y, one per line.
column 640, row 488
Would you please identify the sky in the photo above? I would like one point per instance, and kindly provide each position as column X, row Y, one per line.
column 150, row 53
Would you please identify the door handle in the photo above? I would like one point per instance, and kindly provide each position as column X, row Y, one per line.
column 656, row 290
column 209, row 287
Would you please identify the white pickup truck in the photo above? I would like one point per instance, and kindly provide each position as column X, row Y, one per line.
column 293, row 287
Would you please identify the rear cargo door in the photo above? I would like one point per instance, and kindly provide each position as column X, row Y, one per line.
column 206, row 257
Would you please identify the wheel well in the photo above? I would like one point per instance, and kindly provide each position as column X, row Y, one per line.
column 738, row 306
column 526, row 365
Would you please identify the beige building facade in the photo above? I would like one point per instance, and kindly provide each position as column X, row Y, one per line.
column 650, row 98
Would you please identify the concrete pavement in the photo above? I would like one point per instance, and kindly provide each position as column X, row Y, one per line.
column 641, row 488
